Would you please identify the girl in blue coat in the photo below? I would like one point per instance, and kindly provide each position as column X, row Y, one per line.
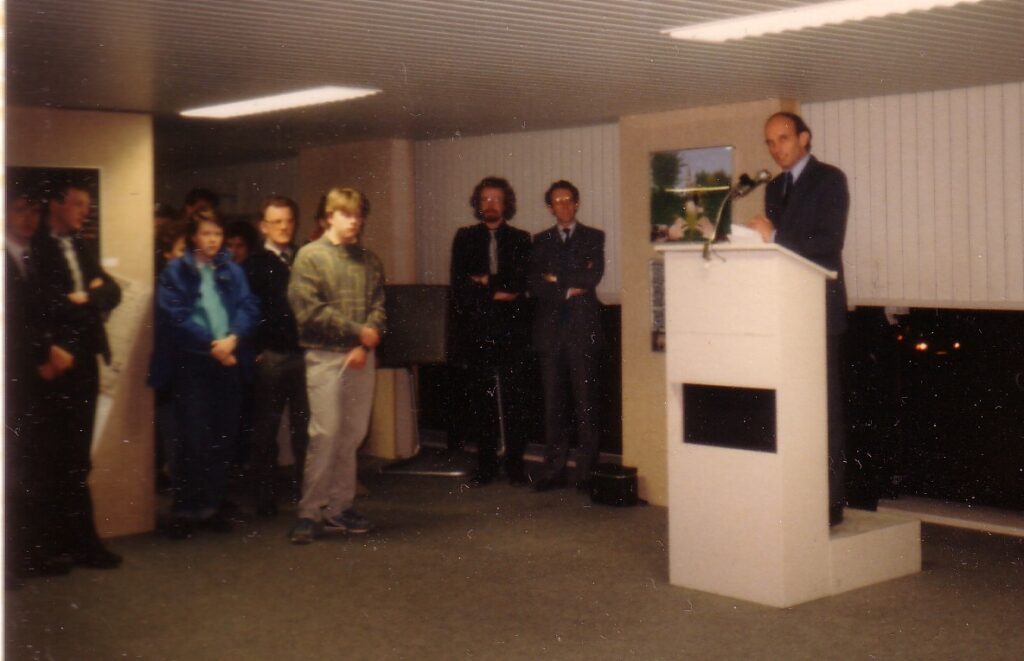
column 205, row 317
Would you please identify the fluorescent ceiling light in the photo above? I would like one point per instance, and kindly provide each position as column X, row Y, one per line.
column 805, row 16
column 310, row 97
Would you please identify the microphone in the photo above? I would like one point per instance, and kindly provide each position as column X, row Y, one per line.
column 746, row 184
column 742, row 188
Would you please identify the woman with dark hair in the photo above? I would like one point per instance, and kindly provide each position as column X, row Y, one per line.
column 241, row 240
column 206, row 314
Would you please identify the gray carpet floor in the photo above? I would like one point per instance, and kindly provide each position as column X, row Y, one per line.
column 495, row 573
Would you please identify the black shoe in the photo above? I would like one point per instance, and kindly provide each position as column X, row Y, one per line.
column 550, row 483
column 219, row 522
column 480, row 479
column 304, row 532
column 179, row 528
column 97, row 558
column 348, row 521
column 267, row 508
column 57, row 565
column 835, row 515
column 517, row 476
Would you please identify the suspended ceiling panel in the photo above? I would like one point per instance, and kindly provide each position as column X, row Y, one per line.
column 462, row 67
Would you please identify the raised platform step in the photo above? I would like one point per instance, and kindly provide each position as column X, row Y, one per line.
column 871, row 547
column 957, row 515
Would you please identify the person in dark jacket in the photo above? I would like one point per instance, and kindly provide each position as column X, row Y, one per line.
column 26, row 370
column 566, row 266
column 206, row 316
column 806, row 207
column 490, row 330
column 280, row 366
column 75, row 297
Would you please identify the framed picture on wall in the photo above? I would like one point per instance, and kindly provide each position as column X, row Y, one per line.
column 42, row 182
column 688, row 187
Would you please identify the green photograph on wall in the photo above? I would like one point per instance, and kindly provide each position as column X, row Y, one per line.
column 688, row 186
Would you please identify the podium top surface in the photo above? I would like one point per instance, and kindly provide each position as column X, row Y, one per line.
column 723, row 248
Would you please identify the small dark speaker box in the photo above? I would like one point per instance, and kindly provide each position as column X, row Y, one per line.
column 611, row 484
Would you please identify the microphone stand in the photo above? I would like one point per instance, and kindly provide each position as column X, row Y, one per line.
column 714, row 228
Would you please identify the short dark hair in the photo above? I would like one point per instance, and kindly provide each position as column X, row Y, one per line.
column 561, row 183
column 279, row 201
column 494, row 182
column 245, row 231
column 169, row 233
column 63, row 185
column 201, row 216
column 197, row 194
column 18, row 190
column 798, row 123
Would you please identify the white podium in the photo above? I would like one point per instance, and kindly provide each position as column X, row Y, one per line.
column 747, row 453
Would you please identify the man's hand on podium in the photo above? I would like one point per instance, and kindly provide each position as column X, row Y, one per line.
column 762, row 226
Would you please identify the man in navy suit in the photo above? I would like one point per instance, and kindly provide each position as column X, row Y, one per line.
column 565, row 269
column 76, row 296
column 805, row 211
column 28, row 365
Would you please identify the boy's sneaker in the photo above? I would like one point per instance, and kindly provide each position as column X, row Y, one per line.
column 304, row 532
column 348, row 521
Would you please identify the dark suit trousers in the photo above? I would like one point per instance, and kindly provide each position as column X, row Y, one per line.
column 70, row 404
column 28, row 483
column 483, row 389
column 207, row 399
column 280, row 382
column 569, row 373
column 836, row 422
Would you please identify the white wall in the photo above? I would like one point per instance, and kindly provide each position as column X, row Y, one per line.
column 447, row 171
column 936, row 195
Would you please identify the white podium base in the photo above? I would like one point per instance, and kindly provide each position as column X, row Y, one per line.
column 870, row 547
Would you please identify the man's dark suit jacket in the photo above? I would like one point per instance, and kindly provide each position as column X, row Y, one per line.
column 24, row 345
column 485, row 331
column 577, row 263
column 77, row 328
column 268, row 279
column 813, row 225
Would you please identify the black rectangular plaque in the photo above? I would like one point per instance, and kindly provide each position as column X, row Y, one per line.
column 729, row 417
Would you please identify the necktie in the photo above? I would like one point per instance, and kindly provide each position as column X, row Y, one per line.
column 26, row 264
column 565, row 235
column 286, row 257
column 492, row 252
column 72, row 259
column 787, row 189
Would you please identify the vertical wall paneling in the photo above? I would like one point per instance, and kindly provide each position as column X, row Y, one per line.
column 447, row 170
column 860, row 199
column 961, row 227
column 937, row 192
column 925, row 183
column 942, row 233
column 907, row 218
column 1013, row 190
column 892, row 273
column 992, row 183
column 847, row 141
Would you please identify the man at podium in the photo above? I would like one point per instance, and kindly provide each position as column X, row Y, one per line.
column 805, row 211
